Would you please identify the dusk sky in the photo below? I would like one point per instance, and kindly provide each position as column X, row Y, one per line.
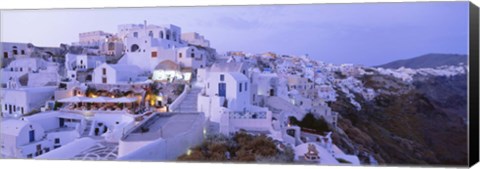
column 369, row 34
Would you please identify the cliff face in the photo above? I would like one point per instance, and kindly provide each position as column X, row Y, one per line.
column 428, row 61
column 422, row 122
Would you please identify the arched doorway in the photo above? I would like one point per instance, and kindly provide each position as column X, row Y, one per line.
column 134, row 48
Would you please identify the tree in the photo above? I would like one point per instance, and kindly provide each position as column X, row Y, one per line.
column 241, row 147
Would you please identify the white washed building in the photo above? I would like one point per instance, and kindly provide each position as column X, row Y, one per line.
column 225, row 99
column 118, row 74
column 36, row 135
column 195, row 38
column 16, row 50
column 30, row 72
column 16, row 102
column 146, row 46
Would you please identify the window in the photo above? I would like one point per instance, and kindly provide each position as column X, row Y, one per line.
column 222, row 77
column 240, row 87
column 179, row 55
column 246, row 86
column 81, row 62
column 161, row 34
column 150, row 34
column 21, row 69
column 104, row 71
column 15, row 52
column 154, row 54
column 22, row 110
column 192, row 55
column 167, row 35
column 23, row 52
column 57, row 140
column 104, row 80
column 135, row 34
column 6, row 107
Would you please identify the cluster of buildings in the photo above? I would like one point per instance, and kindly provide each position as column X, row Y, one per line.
column 151, row 92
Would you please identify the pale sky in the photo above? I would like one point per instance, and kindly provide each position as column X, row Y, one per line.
column 369, row 33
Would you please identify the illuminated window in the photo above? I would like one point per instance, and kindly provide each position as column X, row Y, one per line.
column 154, row 54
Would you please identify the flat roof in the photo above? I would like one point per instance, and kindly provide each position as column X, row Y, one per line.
column 165, row 125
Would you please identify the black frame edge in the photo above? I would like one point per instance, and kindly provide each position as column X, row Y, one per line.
column 473, row 84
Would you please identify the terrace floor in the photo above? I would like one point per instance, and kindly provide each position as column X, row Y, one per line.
column 101, row 151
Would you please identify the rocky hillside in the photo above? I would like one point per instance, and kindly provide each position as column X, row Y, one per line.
column 417, row 122
column 428, row 61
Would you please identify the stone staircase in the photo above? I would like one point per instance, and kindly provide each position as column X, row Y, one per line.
column 86, row 131
column 189, row 103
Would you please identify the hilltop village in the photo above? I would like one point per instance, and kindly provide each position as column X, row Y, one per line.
column 153, row 93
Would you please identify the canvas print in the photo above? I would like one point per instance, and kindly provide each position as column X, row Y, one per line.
column 311, row 84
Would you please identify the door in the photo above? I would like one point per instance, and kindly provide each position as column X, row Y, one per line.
column 272, row 92
column 222, row 89
column 61, row 122
column 31, row 135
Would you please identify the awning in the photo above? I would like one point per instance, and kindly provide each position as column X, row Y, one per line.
column 100, row 99
column 124, row 100
column 74, row 99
